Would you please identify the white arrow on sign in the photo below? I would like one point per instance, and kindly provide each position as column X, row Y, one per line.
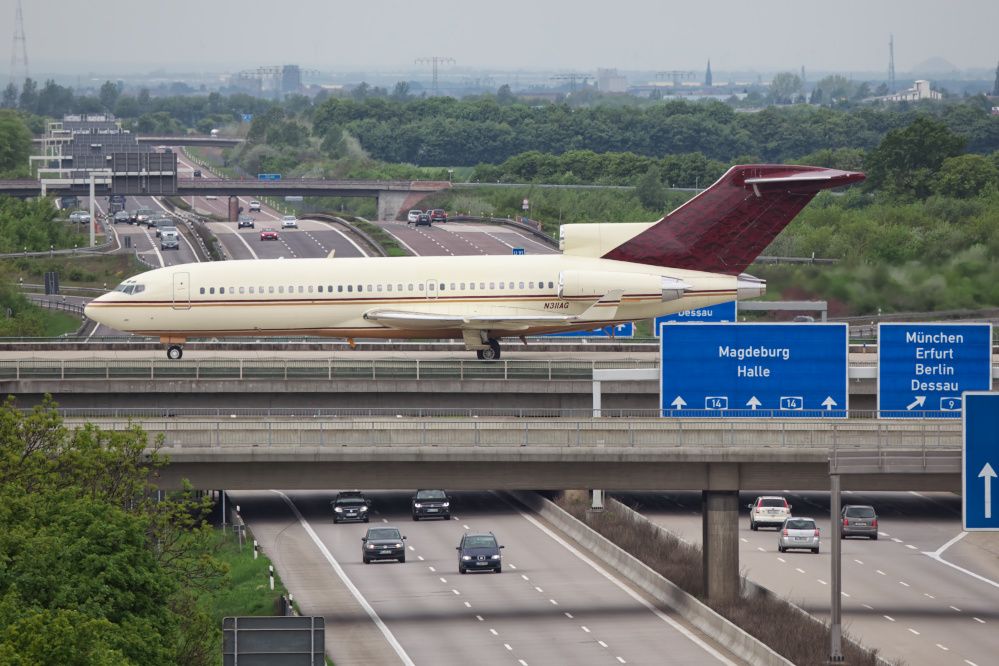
column 679, row 403
column 829, row 403
column 988, row 474
column 754, row 403
column 918, row 402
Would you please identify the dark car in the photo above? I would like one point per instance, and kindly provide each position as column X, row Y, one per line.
column 479, row 551
column 122, row 216
column 860, row 520
column 431, row 504
column 423, row 220
column 143, row 215
column 438, row 215
column 383, row 543
column 350, row 506
column 158, row 223
column 244, row 221
column 197, row 173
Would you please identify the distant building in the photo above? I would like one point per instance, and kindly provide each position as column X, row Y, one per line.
column 707, row 76
column 921, row 90
column 609, row 81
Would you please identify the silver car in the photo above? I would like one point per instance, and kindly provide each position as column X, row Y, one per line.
column 798, row 533
column 860, row 520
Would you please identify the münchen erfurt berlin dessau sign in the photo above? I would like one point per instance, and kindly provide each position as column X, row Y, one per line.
column 924, row 367
column 747, row 370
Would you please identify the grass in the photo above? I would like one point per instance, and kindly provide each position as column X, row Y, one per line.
column 59, row 323
column 96, row 270
column 388, row 243
column 773, row 621
column 247, row 591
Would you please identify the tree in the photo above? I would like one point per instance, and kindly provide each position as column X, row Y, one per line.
column 906, row 160
column 401, row 92
column 966, row 176
column 109, row 95
column 29, row 96
column 15, row 143
column 505, row 96
column 650, row 190
column 785, row 87
column 995, row 86
column 9, row 97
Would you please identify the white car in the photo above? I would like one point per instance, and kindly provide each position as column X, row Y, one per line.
column 79, row 216
column 768, row 510
column 254, row 206
column 412, row 216
column 289, row 222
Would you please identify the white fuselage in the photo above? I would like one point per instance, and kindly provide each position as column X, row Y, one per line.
column 330, row 297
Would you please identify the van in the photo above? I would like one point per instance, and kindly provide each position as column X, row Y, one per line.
column 169, row 240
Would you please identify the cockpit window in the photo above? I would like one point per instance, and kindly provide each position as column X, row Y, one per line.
column 130, row 288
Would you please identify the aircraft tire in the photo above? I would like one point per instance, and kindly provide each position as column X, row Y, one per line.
column 174, row 352
column 491, row 354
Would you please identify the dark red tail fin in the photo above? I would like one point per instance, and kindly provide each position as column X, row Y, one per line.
column 724, row 228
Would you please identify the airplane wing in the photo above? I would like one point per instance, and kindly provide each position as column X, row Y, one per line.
column 604, row 309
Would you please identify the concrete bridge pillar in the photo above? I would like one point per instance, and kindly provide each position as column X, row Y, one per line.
column 720, row 525
column 390, row 202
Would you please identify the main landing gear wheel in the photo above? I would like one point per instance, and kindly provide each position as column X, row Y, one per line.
column 491, row 354
column 174, row 352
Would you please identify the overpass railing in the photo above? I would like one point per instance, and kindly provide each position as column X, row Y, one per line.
column 306, row 369
column 756, row 434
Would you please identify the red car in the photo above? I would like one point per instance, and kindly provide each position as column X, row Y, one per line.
column 269, row 234
column 438, row 215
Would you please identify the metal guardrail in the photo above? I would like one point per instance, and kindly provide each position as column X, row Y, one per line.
column 317, row 369
column 657, row 434
column 57, row 305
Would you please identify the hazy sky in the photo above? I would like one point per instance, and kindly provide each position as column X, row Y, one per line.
column 125, row 36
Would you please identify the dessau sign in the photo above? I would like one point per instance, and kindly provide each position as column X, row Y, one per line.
column 714, row 313
column 924, row 367
column 746, row 370
column 980, row 460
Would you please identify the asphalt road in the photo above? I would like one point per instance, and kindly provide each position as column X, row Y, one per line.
column 898, row 596
column 551, row 605
column 457, row 239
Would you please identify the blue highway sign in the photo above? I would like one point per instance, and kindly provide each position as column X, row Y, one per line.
column 268, row 176
column 720, row 312
column 625, row 330
column 924, row 367
column 247, row 117
column 518, row 250
column 980, row 460
column 742, row 370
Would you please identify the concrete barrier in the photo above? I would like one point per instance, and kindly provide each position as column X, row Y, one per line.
column 687, row 606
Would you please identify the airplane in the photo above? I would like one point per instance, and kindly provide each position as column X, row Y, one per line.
column 608, row 273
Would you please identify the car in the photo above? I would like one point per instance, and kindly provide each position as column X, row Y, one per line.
column 798, row 533
column 245, row 221
column 859, row 520
column 122, row 216
column 211, row 197
column 268, row 234
column 350, row 506
column 768, row 510
column 438, row 215
column 289, row 222
column 431, row 504
column 169, row 239
column 197, row 173
column 413, row 215
column 254, row 206
column 423, row 220
column 143, row 215
column 79, row 216
column 160, row 222
column 479, row 551
column 383, row 543
column 165, row 226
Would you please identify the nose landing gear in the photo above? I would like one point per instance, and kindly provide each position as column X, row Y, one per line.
column 174, row 352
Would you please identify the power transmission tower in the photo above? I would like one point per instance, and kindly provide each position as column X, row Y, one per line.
column 572, row 77
column 16, row 60
column 677, row 75
column 891, row 64
column 435, row 61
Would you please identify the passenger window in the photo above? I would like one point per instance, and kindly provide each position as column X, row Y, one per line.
column 521, row 285
column 389, row 287
column 252, row 290
column 329, row 288
column 320, row 288
column 339, row 288
column 350, row 287
column 501, row 285
column 378, row 288
column 471, row 286
column 452, row 286
column 441, row 287
column 281, row 289
column 270, row 289
column 530, row 285
column 232, row 290
column 492, row 285
column 310, row 288
column 420, row 286
column 242, row 290
column 211, row 290
column 399, row 286
column 301, row 289
column 202, row 290
column 551, row 285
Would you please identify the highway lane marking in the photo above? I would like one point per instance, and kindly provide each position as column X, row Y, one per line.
column 881, row 572
column 943, row 647
column 413, row 549
column 432, row 569
column 911, row 547
column 938, row 556
column 584, row 628
column 456, row 592
column 524, row 577
column 884, row 534
column 522, row 662
column 782, row 560
column 913, row 631
column 243, row 241
column 845, row 595
column 896, row 540
column 400, row 241
column 151, row 242
column 468, row 604
column 743, row 540
column 627, row 590
column 927, row 594
column 346, row 237
column 420, row 558
column 978, row 620
column 508, row 646
column 955, row 608
column 858, row 561
column 480, row 618
column 761, row 549
column 602, row 644
column 512, row 566
column 868, row 607
column 903, row 583
column 389, row 636
column 493, row 632
column 553, row 602
column 538, row 588
column 821, row 582
column 621, row 660
column 443, row 580
column 888, row 617
column 568, row 615
column 970, row 663
column 801, row 571
column 466, row 527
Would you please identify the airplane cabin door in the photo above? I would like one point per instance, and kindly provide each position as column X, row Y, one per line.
column 182, row 291
column 432, row 290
